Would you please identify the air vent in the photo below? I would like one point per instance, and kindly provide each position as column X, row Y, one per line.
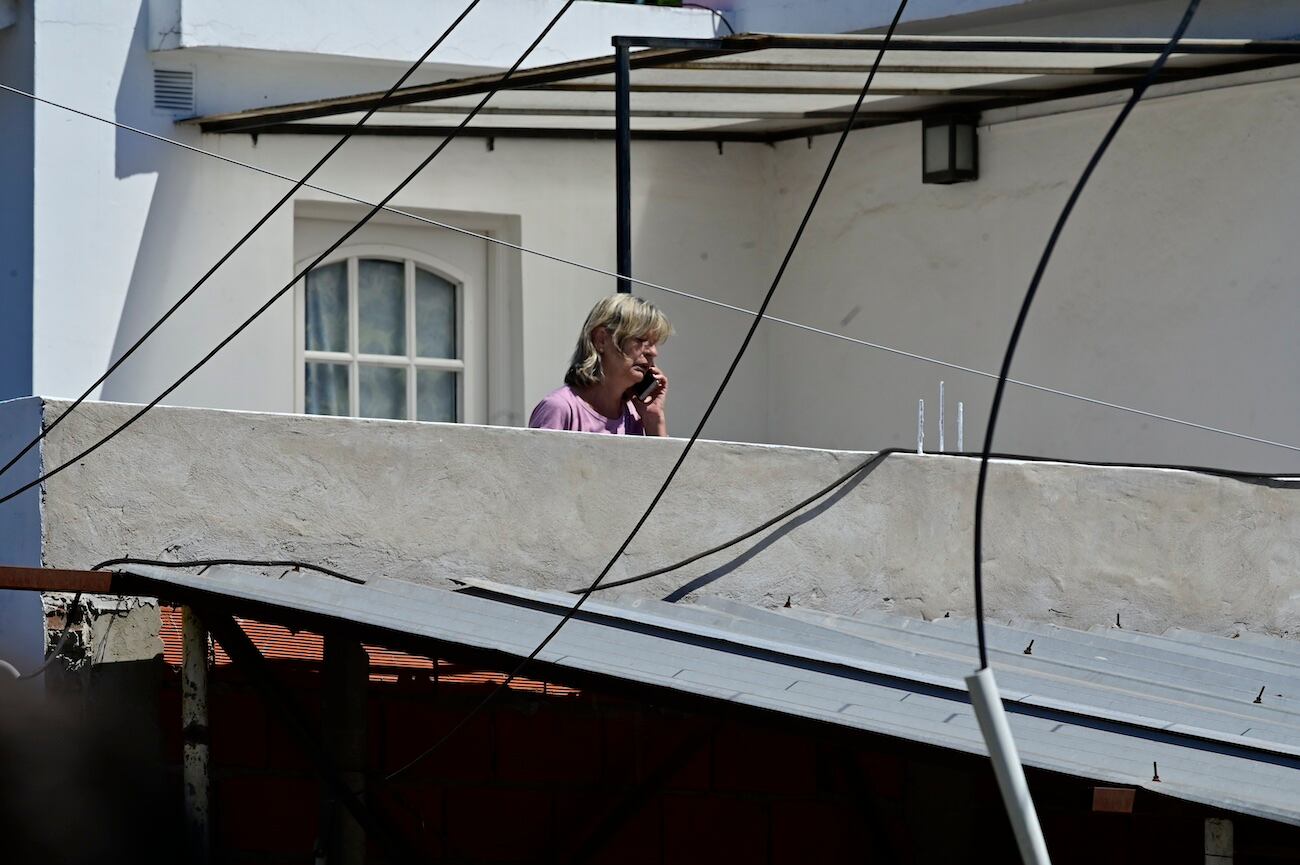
column 173, row 91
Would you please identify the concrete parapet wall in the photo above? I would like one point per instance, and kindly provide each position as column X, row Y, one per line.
column 427, row 502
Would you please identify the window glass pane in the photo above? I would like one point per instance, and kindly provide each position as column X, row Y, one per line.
column 435, row 315
column 327, row 389
column 327, row 308
column 435, row 395
column 381, row 307
column 383, row 391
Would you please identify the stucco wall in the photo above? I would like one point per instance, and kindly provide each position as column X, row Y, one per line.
column 425, row 502
column 1171, row 290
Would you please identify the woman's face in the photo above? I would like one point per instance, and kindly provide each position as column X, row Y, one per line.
column 625, row 367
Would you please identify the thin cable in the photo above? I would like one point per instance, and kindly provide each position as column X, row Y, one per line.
column 658, row 287
column 317, row 260
column 1037, row 279
column 704, row 419
column 240, row 243
column 209, row 563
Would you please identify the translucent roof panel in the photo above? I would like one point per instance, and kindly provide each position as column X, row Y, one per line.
column 756, row 87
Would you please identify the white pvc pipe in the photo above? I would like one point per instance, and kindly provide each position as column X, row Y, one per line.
column 987, row 703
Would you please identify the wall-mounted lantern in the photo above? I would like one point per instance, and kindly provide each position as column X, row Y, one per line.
column 949, row 149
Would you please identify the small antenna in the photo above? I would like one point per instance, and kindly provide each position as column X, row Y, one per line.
column 941, row 416
column 920, row 426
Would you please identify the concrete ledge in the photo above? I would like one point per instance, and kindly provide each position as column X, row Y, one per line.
column 427, row 502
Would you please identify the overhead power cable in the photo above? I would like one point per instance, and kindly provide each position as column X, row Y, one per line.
column 284, row 199
column 664, row 288
column 1005, row 372
column 704, row 419
column 314, row 262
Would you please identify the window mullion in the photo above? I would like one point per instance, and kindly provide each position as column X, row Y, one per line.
column 411, row 409
column 354, row 330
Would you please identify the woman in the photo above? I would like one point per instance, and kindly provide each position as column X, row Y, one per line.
column 616, row 350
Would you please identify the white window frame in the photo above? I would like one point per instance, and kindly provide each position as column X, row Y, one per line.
column 469, row 333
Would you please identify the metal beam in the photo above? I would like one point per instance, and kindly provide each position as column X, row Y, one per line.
column 55, row 580
column 765, row 41
column 623, row 166
column 525, row 132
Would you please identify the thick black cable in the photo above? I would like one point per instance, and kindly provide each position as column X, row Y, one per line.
column 240, row 243
column 317, row 260
column 1034, row 283
column 704, row 419
column 1277, row 481
column 209, row 563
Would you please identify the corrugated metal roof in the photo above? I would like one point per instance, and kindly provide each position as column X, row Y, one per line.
column 1102, row 705
column 763, row 87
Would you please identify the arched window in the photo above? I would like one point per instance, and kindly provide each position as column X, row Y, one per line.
column 383, row 337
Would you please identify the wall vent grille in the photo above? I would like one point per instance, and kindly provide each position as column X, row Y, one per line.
column 173, row 91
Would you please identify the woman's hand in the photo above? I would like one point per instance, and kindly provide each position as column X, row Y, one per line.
column 651, row 409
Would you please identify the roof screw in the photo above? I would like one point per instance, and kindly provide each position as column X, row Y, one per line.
column 1117, row 624
column 1259, row 698
column 1029, row 650
column 719, row 148
column 491, row 143
column 787, row 606
column 1155, row 771
column 810, row 142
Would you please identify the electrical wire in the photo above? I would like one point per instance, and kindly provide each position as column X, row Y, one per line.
column 347, row 136
column 208, row 563
column 664, row 288
column 1277, row 481
column 704, row 419
column 1034, row 283
column 716, row 14
column 317, row 260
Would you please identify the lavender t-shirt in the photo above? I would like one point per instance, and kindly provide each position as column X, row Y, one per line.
column 564, row 409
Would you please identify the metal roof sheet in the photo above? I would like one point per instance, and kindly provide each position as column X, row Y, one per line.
column 1098, row 705
column 761, row 87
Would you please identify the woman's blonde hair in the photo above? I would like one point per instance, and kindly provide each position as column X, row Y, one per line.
column 625, row 317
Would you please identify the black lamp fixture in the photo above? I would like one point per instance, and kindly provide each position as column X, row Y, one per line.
column 949, row 149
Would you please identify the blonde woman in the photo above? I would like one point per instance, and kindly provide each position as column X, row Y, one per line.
column 613, row 384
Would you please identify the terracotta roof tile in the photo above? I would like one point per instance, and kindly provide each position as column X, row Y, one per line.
column 278, row 643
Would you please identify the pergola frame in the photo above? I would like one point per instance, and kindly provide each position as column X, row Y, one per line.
column 685, row 113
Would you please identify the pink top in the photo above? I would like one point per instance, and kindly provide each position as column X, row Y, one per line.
column 564, row 409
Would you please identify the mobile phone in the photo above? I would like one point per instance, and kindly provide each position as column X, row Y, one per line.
column 646, row 385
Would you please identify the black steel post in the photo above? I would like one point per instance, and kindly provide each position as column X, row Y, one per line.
column 623, row 164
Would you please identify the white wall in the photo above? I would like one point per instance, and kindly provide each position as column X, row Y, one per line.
column 1173, row 287
column 491, row 36
column 124, row 225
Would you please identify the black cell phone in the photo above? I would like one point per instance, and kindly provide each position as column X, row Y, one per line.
column 646, row 385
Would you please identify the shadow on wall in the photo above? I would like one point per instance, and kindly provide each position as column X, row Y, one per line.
column 172, row 249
